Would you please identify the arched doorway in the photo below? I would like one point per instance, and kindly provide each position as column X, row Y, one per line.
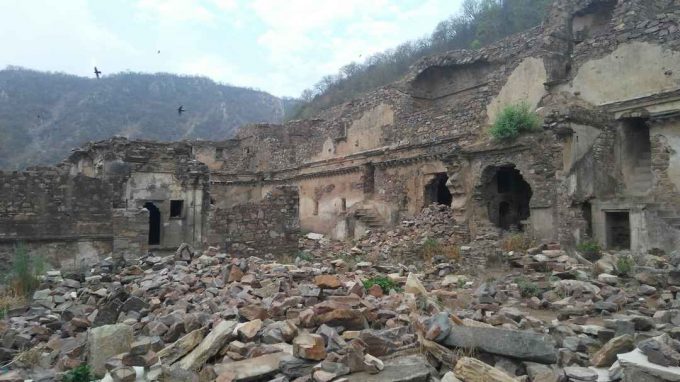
column 436, row 190
column 154, row 223
column 506, row 195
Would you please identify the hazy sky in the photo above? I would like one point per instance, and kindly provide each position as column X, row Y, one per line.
column 280, row 46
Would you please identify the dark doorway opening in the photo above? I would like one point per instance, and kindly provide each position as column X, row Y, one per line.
column 587, row 212
column 437, row 192
column 154, row 223
column 636, row 155
column 176, row 208
column 507, row 196
column 618, row 229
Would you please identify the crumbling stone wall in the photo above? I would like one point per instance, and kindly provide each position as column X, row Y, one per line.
column 130, row 232
column 270, row 226
column 47, row 208
column 589, row 67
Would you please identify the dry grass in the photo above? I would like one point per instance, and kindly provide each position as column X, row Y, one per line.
column 10, row 299
column 431, row 248
column 517, row 242
column 28, row 358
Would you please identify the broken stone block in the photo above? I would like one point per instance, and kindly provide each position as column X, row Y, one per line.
column 253, row 312
column 248, row 331
column 522, row 345
column 309, row 346
column 661, row 350
column 637, row 368
column 327, row 281
column 235, row 274
column 123, row 374
column 373, row 365
column 252, row 369
column 541, row 373
column 438, row 327
column 141, row 346
column 474, row 370
column 579, row 374
column 413, row 368
column 606, row 356
column 181, row 347
column 450, row 377
column 142, row 360
column 211, row 344
column 413, row 285
column 327, row 371
column 105, row 342
column 348, row 318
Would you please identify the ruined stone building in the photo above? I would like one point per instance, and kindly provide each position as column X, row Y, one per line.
column 603, row 74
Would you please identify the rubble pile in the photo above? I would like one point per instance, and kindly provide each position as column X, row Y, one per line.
column 405, row 242
column 547, row 316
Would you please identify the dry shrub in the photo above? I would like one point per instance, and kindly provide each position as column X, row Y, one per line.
column 24, row 276
column 9, row 299
column 431, row 248
column 517, row 242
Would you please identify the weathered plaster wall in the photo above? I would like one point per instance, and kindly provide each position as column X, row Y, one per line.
column 633, row 70
column 321, row 200
column 525, row 84
column 666, row 148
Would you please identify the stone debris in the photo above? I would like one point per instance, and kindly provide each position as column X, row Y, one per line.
column 541, row 316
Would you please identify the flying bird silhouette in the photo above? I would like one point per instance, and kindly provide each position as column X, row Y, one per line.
column 159, row 52
column 180, row 109
column 97, row 72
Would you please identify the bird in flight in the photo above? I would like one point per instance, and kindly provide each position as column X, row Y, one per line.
column 159, row 52
column 180, row 109
column 97, row 72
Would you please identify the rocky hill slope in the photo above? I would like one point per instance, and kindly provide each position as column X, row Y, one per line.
column 44, row 115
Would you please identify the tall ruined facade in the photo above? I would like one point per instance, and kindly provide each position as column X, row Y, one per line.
column 603, row 74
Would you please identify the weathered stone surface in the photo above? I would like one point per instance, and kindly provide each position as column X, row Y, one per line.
column 309, row 346
column 636, row 362
column 124, row 374
column 210, row 345
column 413, row 285
column 606, row 356
column 248, row 330
column 581, row 373
column 105, row 342
column 253, row 368
column 450, row 377
column 474, row 370
column 178, row 349
column 541, row 373
column 404, row 369
column 327, row 281
column 511, row 343
column 348, row 318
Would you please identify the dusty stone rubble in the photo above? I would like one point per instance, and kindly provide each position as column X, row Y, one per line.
column 404, row 243
column 541, row 315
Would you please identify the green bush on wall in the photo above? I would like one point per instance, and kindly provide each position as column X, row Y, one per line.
column 513, row 120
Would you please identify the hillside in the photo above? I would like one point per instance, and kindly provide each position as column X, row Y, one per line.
column 479, row 23
column 44, row 115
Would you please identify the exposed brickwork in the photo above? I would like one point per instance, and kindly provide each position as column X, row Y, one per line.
column 270, row 226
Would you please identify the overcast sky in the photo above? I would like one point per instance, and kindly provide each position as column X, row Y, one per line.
column 280, row 46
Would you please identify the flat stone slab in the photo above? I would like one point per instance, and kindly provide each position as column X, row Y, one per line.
column 637, row 360
column 253, row 368
column 413, row 368
column 518, row 344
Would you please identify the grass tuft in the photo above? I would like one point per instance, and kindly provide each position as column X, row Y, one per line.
column 513, row 120
column 385, row 283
